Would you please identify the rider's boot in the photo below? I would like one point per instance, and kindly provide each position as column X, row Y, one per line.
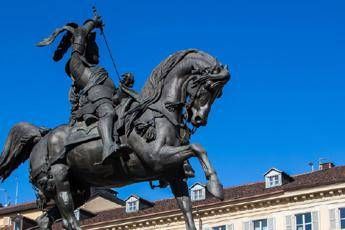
column 110, row 148
column 105, row 127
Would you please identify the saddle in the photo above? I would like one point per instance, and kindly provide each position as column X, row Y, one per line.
column 83, row 131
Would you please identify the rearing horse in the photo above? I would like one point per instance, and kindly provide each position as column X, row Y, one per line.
column 180, row 90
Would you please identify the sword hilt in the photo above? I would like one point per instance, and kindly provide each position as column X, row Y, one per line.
column 94, row 10
column 97, row 17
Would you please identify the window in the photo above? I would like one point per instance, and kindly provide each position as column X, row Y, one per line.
column 17, row 224
column 303, row 221
column 342, row 218
column 197, row 194
column 223, row 227
column 77, row 213
column 273, row 180
column 275, row 177
column 132, row 206
column 260, row 224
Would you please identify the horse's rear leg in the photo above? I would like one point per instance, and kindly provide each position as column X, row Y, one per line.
column 180, row 190
column 63, row 198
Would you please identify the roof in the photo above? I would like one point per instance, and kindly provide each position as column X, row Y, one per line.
column 309, row 180
column 107, row 194
column 273, row 169
column 142, row 200
column 195, row 184
column 18, row 208
column 96, row 192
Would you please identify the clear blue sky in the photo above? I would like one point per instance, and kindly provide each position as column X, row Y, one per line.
column 283, row 108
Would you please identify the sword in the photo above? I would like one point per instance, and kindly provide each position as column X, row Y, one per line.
column 95, row 13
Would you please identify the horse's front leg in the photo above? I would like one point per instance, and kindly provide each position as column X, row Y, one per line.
column 172, row 155
column 179, row 188
column 213, row 184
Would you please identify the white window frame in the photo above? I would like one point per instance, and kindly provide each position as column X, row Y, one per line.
column 273, row 181
column 77, row 213
column 303, row 220
column 273, row 178
column 132, row 206
column 218, row 227
column 197, row 194
column 261, row 221
column 17, row 224
column 341, row 218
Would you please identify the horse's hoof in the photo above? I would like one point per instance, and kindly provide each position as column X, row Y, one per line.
column 215, row 188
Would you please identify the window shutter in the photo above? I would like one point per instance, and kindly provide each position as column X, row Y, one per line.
column 247, row 225
column 315, row 219
column 271, row 224
column 288, row 222
column 230, row 227
column 332, row 219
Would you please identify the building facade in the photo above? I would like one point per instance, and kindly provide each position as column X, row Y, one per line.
column 311, row 201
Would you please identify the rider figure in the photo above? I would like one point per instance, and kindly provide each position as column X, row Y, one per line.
column 94, row 87
column 92, row 90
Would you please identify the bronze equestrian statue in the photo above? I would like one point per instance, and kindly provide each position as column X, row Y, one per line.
column 116, row 136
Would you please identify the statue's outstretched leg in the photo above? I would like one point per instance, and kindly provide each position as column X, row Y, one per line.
column 46, row 220
column 63, row 198
column 170, row 155
column 213, row 184
column 179, row 188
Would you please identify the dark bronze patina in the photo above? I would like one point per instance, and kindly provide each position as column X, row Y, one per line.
column 117, row 136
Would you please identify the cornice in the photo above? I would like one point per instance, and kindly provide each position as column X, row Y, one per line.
column 220, row 208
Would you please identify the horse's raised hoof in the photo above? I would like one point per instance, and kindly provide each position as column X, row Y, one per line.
column 214, row 187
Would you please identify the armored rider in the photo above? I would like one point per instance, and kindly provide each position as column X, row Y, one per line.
column 92, row 89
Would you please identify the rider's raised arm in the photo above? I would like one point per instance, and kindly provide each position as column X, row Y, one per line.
column 94, row 23
column 80, row 34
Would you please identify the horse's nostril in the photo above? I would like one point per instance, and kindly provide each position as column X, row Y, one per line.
column 198, row 119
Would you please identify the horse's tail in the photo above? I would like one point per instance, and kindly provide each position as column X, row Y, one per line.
column 19, row 144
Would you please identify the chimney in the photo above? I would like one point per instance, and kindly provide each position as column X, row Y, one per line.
column 328, row 165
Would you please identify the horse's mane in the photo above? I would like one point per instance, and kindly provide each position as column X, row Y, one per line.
column 152, row 90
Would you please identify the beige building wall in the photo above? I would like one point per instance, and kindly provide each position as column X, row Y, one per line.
column 320, row 200
column 99, row 204
column 31, row 214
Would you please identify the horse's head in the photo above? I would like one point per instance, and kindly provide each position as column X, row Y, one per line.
column 205, row 86
column 191, row 78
